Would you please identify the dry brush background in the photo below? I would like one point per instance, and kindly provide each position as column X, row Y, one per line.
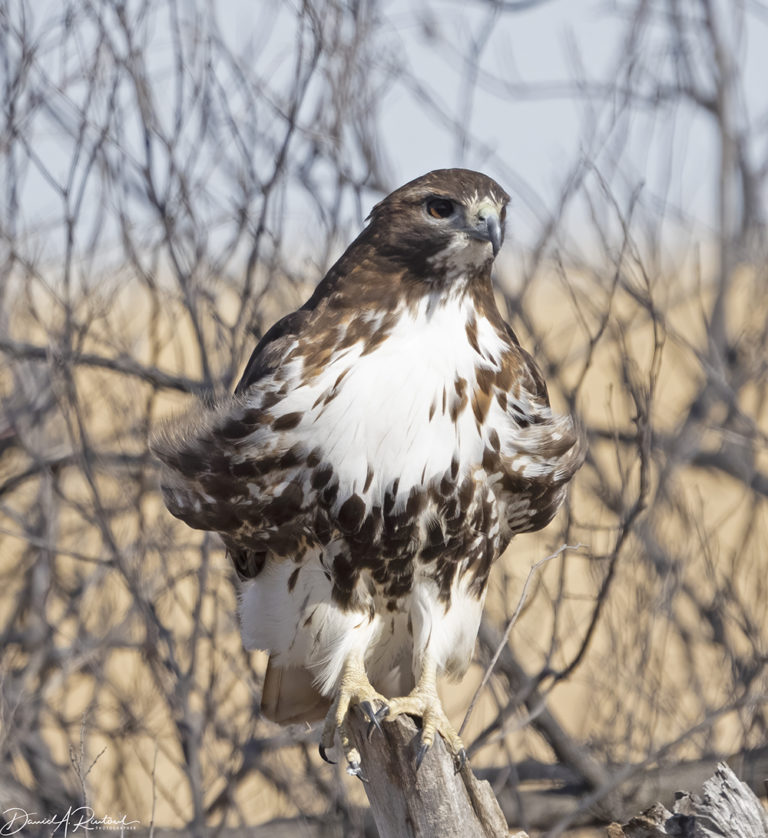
column 193, row 193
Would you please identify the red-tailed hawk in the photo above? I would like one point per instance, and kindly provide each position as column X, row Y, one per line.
column 385, row 443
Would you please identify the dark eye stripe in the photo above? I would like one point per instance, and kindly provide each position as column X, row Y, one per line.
column 440, row 207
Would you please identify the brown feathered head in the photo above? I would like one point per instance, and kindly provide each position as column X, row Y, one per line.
column 444, row 218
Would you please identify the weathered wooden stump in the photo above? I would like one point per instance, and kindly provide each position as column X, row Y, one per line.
column 429, row 802
column 726, row 808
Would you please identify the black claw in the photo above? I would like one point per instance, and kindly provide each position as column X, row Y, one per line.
column 321, row 748
column 383, row 713
column 354, row 769
column 421, row 754
column 460, row 761
column 373, row 721
column 374, row 724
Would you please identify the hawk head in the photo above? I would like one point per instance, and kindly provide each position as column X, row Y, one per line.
column 447, row 222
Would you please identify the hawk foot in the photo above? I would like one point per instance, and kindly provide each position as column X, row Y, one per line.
column 426, row 704
column 355, row 690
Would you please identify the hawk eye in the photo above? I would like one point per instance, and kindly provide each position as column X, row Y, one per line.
column 440, row 207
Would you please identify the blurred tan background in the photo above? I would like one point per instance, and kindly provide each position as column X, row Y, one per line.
column 177, row 176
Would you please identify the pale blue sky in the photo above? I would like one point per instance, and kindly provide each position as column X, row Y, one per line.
column 530, row 120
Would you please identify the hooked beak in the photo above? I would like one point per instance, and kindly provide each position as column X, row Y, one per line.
column 488, row 226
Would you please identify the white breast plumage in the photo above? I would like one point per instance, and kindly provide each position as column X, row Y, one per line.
column 391, row 409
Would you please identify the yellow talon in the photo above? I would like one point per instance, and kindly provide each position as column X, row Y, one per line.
column 354, row 689
column 424, row 702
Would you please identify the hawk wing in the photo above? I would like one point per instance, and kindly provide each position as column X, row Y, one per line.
column 243, row 467
column 277, row 340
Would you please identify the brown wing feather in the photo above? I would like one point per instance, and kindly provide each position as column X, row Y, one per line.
column 289, row 695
